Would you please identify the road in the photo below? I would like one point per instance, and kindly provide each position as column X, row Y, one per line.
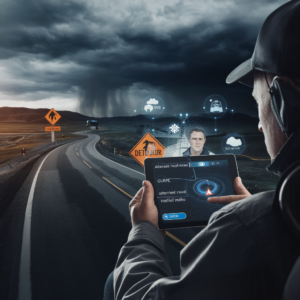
column 76, row 221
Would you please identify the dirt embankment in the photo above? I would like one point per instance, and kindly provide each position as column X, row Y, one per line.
column 105, row 147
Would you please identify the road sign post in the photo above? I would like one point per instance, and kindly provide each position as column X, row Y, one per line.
column 52, row 117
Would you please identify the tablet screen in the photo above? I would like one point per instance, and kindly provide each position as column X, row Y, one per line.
column 182, row 188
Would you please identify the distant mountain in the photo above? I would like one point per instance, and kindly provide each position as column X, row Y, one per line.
column 37, row 116
column 230, row 122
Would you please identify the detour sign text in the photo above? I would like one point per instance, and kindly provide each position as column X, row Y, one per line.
column 147, row 147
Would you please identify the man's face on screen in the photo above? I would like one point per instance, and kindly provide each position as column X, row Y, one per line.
column 197, row 141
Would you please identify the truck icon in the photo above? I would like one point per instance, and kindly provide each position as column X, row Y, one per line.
column 148, row 107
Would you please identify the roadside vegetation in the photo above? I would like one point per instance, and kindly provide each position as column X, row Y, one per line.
column 15, row 137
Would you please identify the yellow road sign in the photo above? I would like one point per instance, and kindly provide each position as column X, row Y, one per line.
column 52, row 116
column 52, row 128
column 147, row 147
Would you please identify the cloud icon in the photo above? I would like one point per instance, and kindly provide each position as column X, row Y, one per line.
column 234, row 142
column 152, row 101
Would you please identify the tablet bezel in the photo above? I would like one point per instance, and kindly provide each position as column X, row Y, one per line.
column 149, row 174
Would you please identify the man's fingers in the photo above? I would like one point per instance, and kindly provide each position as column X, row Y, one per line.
column 148, row 196
column 139, row 194
column 239, row 188
column 137, row 198
column 226, row 199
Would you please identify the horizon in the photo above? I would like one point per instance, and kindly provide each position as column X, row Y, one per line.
column 88, row 58
column 166, row 115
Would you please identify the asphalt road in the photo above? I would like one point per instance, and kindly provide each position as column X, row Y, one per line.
column 76, row 222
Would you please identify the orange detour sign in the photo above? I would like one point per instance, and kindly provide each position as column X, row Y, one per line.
column 208, row 192
column 147, row 147
column 52, row 116
column 52, row 128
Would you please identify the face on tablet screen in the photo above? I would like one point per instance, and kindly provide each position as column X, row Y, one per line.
column 182, row 188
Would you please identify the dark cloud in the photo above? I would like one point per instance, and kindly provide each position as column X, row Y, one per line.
column 111, row 54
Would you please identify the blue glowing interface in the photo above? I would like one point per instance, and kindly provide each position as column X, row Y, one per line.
column 182, row 189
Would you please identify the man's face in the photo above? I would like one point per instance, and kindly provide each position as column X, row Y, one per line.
column 197, row 141
column 274, row 137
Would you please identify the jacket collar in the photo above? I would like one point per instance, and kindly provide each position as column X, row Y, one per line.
column 188, row 152
column 288, row 154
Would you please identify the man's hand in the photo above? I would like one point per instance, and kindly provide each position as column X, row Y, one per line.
column 239, row 188
column 142, row 206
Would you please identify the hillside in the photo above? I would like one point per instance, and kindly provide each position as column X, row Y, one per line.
column 37, row 116
column 237, row 122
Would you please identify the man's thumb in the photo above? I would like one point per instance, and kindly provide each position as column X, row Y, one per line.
column 239, row 188
column 148, row 195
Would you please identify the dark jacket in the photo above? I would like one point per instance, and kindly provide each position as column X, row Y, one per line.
column 204, row 152
column 245, row 252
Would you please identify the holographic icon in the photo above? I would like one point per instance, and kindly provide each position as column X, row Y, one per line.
column 174, row 128
column 152, row 101
column 148, row 107
column 152, row 106
column 232, row 141
column 216, row 107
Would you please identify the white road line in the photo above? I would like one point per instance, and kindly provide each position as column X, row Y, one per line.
column 24, row 277
column 116, row 162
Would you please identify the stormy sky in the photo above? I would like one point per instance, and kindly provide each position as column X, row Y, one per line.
column 102, row 58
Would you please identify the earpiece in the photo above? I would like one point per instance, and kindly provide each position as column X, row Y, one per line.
column 285, row 104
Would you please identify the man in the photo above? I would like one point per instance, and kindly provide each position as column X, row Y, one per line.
column 247, row 250
column 197, row 139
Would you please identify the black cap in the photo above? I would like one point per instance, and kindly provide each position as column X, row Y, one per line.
column 277, row 49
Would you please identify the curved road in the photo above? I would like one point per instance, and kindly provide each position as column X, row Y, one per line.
column 77, row 219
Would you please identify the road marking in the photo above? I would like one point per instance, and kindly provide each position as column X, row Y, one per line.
column 77, row 153
column 175, row 238
column 87, row 164
column 254, row 158
column 117, row 187
column 167, row 232
column 24, row 276
column 116, row 162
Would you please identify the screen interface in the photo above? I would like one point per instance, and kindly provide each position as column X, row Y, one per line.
column 182, row 189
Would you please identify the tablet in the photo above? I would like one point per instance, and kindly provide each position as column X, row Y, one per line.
column 183, row 184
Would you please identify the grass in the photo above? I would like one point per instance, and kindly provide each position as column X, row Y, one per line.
column 14, row 137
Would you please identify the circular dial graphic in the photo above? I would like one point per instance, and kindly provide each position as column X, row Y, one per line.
column 208, row 187
column 233, row 143
column 215, row 106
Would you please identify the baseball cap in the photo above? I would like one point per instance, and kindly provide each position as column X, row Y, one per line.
column 277, row 48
